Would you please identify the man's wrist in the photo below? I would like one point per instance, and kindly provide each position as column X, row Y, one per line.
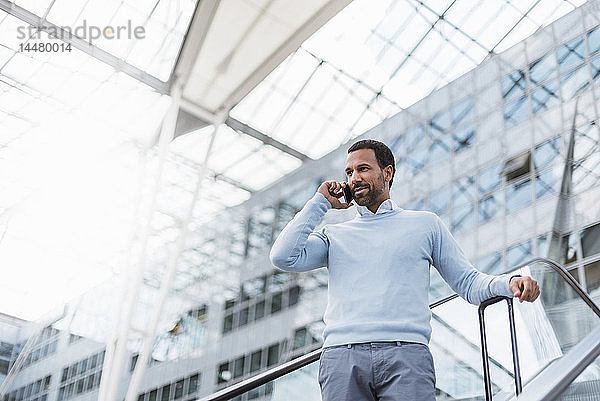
column 322, row 200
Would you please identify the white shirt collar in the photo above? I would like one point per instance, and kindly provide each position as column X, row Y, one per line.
column 387, row 206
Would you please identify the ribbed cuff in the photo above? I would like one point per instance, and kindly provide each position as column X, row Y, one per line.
column 321, row 200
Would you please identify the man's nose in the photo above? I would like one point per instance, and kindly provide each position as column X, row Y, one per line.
column 353, row 178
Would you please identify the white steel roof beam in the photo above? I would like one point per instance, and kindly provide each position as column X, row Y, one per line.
column 304, row 32
column 267, row 140
column 194, row 39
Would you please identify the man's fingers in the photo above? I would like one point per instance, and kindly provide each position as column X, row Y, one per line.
column 535, row 292
column 528, row 290
column 335, row 189
column 526, row 286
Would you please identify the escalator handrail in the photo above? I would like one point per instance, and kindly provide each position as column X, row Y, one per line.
column 552, row 381
column 566, row 276
column 278, row 371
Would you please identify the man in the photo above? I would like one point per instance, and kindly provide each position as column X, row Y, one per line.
column 377, row 319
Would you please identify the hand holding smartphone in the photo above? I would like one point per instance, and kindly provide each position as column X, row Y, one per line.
column 333, row 191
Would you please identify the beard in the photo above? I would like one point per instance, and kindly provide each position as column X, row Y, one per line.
column 374, row 193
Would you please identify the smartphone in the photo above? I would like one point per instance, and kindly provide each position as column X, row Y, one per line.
column 347, row 194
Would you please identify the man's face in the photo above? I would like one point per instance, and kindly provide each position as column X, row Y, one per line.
column 366, row 178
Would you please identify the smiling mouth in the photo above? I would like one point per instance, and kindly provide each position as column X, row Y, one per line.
column 361, row 191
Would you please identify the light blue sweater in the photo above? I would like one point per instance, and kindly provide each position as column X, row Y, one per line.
column 379, row 270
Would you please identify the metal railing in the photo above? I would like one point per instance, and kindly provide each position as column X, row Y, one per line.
column 552, row 381
column 513, row 339
column 256, row 381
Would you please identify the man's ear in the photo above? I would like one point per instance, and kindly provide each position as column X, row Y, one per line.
column 388, row 171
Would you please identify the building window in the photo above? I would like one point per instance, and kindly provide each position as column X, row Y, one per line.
column 178, row 389
column 253, row 288
column 546, row 183
column 546, row 152
column 299, row 338
column 518, row 195
column 194, row 383
column 463, row 203
column 593, row 38
column 273, row 355
column 463, row 137
column 259, row 310
column 133, row 362
column 571, row 54
column 417, row 146
column 74, row 338
column 243, row 317
column 462, row 217
column 255, row 361
column 439, row 126
column 417, row 204
column 574, row 82
column 489, row 178
column 595, row 63
column 315, row 330
column 228, row 324
column 439, row 201
column 165, row 392
column 293, row 295
column 542, row 69
column 489, row 206
column 518, row 254
column 592, row 275
column 514, row 85
column 545, row 97
column 517, row 167
column 516, row 111
column 91, row 380
column 230, row 303
column 278, row 280
column 224, row 374
column 586, row 173
column 396, row 145
column 276, row 302
column 590, row 240
column 238, row 367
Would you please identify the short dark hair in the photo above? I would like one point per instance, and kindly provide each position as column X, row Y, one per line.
column 383, row 154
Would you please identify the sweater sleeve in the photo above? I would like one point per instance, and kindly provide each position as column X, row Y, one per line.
column 298, row 248
column 459, row 273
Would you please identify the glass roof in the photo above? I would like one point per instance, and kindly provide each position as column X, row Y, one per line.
column 77, row 137
column 343, row 81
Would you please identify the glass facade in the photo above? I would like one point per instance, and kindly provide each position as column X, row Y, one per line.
column 185, row 388
column 81, row 377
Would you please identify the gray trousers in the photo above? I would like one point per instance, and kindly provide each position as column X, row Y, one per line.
column 396, row 371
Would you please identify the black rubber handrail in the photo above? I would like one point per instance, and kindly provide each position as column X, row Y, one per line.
column 281, row 370
column 487, row 382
